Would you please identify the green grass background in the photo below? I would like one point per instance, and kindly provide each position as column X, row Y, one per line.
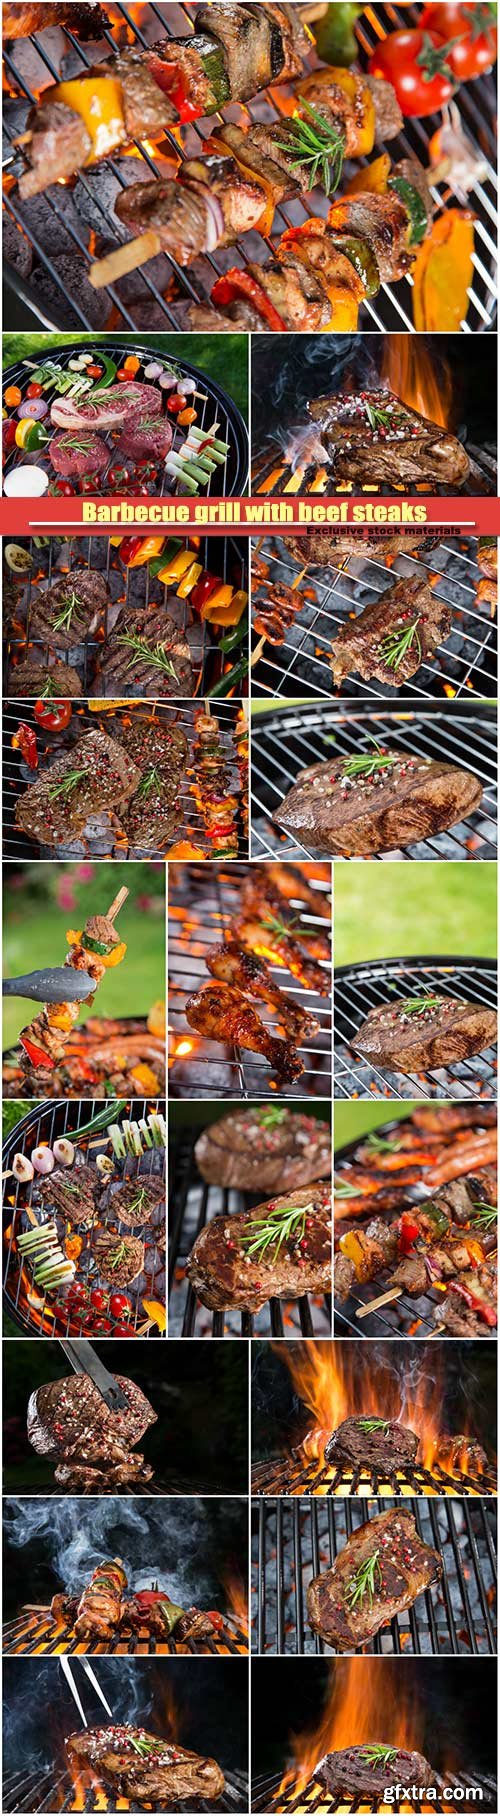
column 222, row 357
column 35, row 928
column 405, row 910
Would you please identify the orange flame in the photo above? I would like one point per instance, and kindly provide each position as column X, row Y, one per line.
column 408, row 368
column 236, row 1596
column 367, row 1701
column 337, row 1383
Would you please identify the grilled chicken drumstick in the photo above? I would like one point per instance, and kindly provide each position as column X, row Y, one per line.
column 45, row 1038
column 292, row 883
column 221, row 1013
column 232, row 964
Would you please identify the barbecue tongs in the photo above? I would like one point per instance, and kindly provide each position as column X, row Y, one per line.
column 69, row 1667
column 85, row 1362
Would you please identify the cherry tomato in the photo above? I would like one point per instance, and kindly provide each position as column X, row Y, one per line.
column 54, row 715
column 101, row 1325
column 175, row 404
column 12, row 396
column 122, row 1330
column 119, row 476
column 99, row 1299
column 34, row 391
column 61, row 488
column 122, row 375
column 94, row 371
column 415, row 62
column 473, row 29
column 77, row 1294
column 120, row 1306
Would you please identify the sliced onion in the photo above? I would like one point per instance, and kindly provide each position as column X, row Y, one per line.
column 215, row 219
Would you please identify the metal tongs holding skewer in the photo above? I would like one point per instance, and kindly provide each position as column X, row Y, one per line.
column 45, row 1038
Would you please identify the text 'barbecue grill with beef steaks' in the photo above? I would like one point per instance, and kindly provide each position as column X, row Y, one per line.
column 417, row 1034
column 380, row 1572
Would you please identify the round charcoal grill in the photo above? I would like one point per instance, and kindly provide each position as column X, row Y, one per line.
column 192, row 1205
column 285, row 742
column 45, row 1124
column 463, row 666
column 102, row 837
column 359, row 988
column 130, row 589
column 162, row 290
column 212, row 405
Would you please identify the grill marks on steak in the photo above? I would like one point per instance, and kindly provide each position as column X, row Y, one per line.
column 402, row 1567
column 374, row 438
column 86, row 594
column 224, row 1274
column 69, row 1419
column 353, row 1773
column 359, row 646
column 72, row 1193
column 53, row 810
column 264, row 1150
column 141, row 1766
column 135, row 1201
column 147, row 655
column 415, row 798
column 28, row 680
column 442, row 1036
column 381, row 1442
column 119, row 1258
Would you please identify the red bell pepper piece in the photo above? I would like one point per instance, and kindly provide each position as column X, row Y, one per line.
column 203, row 590
column 486, row 1312
column 236, row 283
column 25, row 741
column 216, row 1619
column 35, row 1054
column 408, row 1232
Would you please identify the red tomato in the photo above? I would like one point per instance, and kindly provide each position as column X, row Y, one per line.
column 54, row 715
column 101, row 1325
column 34, row 391
column 473, row 29
column 118, row 476
column 61, row 488
column 99, row 1299
column 77, row 1294
column 120, row 1306
column 122, row 1330
column 123, row 376
column 175, row 404
column 415, row 62
column 94, row 371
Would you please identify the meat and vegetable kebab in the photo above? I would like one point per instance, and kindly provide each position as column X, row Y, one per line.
column 102, row 1610
column 426, row 1249
column 93, row 951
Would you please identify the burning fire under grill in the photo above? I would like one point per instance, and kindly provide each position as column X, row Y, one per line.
column 403, row 1722
column 426, row 1391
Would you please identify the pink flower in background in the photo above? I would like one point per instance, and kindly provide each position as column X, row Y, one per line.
column 65, row 893
column 84, row 873
column 144, row 903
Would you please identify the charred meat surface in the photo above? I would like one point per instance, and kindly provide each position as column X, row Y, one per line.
column 119, row 1258
column 417, row 1034
column 135, row 1201
column 30, row 680
column 146, row 655
column 222, row 1013
column 381, row 1442
column 347, row 810
column 464, row 1196
column 84, row 16
column 73, row 1193
column 393, row 635
column 69, row 1420
column 280, row 1250
column 232, row 964
column 100, row 1606
column 367, row 1772
column 325, row 548
column 143, row 1767
column 69, row 611
column 94, row 776
column 268, row 1149
column 375, row 439
column 380, row 1572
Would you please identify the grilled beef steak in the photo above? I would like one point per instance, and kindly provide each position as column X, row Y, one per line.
column 340, row 810
column 95, row 775
column 74, row 453
column 70, row 1420
column 144, row 1768
column 69, row 611
column 153, row 745
column 372, row 1440
column 72, row 1192
column 264, row 1150
column 344, row 1614
column 444, row 1030
column 135, row 1201
column 29, row 680
column 146, row 656
column 375, row 439
column 360, row 1773
column 225, row 1270
column 392, row 637
column 119, row 1258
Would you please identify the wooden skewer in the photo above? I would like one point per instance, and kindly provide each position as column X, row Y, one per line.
column 125, row 258
column 384, row 1299
column 117, row 904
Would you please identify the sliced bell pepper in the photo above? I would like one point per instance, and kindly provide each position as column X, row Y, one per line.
column 145, row 1076
column 334, row 33
column 30, row 435
column 110, row 959
column 246, row 165
column 486, row 1312
column 207, row 585
column 344, row 292
column 178, row 565
column 355, row 248
column 25, row 740
column 36, row 1054
column 237, row 283
column 360, row 100
column 212, row 612
column 372, row 179
column 183, row 849
column 189, row 579
column 415, row 207
column 99, row 101
column 135, row 551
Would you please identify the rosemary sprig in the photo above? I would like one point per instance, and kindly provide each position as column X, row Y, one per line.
column 364, row 1581
column 379, row 1755
column 287, row 929
column 157, row 656
column 116, row 1256
column 368, row 765
column 64, row 620
column 377, row 417
column 271, row 1118
column 383, row 1144
column 49, row 690
column 487, row 1215
column 145, row 1747
column 150, row 782
column 68, row 784
column 137, row 1203
column 316, row 146
column 368, row 1425
column 415, row 1005
column 275, row 1229
column 396, row 645
column 343, row 1189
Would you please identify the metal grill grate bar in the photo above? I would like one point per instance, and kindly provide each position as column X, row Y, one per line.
column 360, row 988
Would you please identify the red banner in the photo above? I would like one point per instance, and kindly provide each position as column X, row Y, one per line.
column 260, row 515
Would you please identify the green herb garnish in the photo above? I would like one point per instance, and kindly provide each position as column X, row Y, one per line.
column 487, row 1215
column 379, row 1755
column 137, row 1203
column 317, row 146
column 150, row 782
column 49, row 690
column 344, row 1189
column 68, row 784
column 287, row 929
column 367, row 765
column 271, row 1118
column 157, row 656
column 373, row 1424
column 364, row 1581
column 396, row 645
column 377, row 417
column 415, row 1005
column 113, row 1260
column 275, row 1229
column 383, row 1144
column 64, row 620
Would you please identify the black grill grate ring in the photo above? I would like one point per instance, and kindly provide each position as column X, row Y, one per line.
column 359, row 988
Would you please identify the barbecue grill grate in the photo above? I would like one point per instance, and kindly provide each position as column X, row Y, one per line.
column 292, row 1542
column 38, row 1633
column 295, row 1475
column 49, row 1789
column 202, row 905
column 269, row 1794
column 133, row 589
column 359, row 988
column 192, row 1204
column 45, row 1125
column 285, row 742
column 65, row 303
column 466, row 663
column 105, row 840
column 228, row 481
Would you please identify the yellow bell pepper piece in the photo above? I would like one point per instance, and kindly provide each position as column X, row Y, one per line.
column 361, row 138
column 157, row 1020
column 145, row 1077
column 151, row 546
column 59, row 1017
column 98, row 100
column 351, row 1247
column 216, row 603
column 109, row 959
column 156, row 1311
column 178, row 566
column 73, row 937
column 372, row 179
column 189, row 579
